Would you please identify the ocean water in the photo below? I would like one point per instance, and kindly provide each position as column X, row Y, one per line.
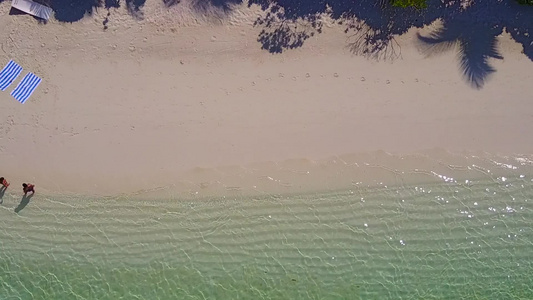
column 444, row 238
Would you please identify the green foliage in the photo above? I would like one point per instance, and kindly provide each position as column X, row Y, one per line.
column 525, row 2
column 412, row 3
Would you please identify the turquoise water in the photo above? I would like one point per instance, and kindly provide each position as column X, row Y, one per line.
column 440, row 240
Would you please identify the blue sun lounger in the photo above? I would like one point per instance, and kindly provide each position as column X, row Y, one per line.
column 26, row 87
column 8, row 74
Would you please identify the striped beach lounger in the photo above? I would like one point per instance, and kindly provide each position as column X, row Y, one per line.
column 8, row 74
column 26, row 87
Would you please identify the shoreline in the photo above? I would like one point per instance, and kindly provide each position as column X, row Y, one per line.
column 137, row 106
column 343, row 173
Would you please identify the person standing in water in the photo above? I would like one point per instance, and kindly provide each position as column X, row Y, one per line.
column 28, row 188
column 3, row 187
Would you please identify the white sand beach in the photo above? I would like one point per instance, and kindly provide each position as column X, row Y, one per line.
column 155, row 102
column 174, row 158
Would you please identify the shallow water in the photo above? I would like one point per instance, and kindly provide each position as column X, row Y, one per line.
column 446, row 239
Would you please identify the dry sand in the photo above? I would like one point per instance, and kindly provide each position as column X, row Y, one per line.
column 143, row 103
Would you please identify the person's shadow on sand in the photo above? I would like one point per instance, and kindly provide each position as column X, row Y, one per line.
column 25, row 200
column 2, row 192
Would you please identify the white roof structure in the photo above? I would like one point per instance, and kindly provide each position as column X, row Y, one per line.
column 32, row 8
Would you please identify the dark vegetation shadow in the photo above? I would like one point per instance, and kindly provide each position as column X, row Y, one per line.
column 170, row 3
column 112, row 4
column 204, row 5
column 134, row 8
column 372, row 25
column 75, row 10
column 473, row 33
column 224, row 5
column 475, row 45
column 25, row 200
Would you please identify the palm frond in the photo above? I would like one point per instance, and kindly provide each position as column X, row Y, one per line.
column 475, row 45
column 474, row 53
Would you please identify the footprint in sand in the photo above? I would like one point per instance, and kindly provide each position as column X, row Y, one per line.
column 307, row 75
column 363, row 79
column 335, row 75
column 281, row 75
column 388, row 81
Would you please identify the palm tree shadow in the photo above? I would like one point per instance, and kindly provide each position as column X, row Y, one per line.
column 476, row 44
column 25, row 200
column 472, row 27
